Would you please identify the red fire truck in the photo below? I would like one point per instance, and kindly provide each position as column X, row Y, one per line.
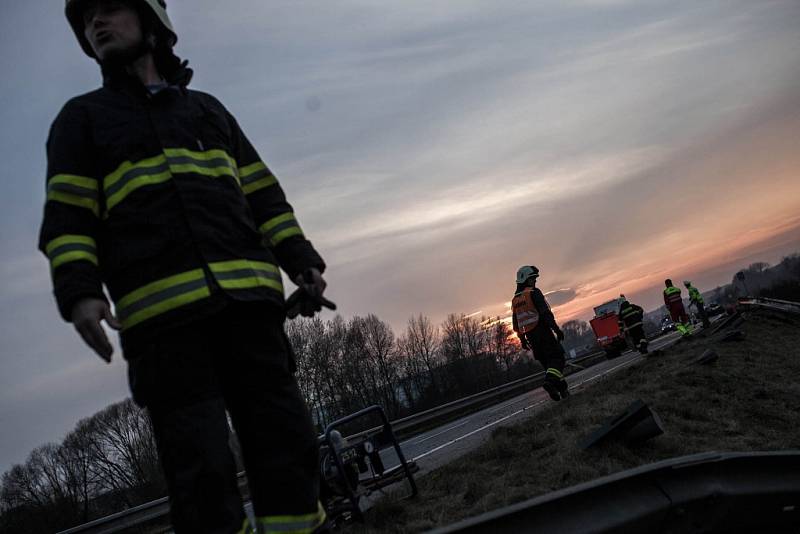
column 606, row 328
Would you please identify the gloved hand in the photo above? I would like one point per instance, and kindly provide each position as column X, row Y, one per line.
column 307, row 299
column 559, row 334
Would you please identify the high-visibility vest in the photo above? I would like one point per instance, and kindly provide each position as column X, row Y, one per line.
column 525, row 311
column 694, row 295
column 673, row 294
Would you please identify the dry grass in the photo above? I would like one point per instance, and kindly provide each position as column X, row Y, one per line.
column 748, row 400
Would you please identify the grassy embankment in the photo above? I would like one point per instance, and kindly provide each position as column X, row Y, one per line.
column 747, row 401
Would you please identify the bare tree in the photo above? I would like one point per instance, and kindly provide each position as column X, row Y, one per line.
column 380, row 350
column 421, row 344
column 123, row 450
column 502, row 343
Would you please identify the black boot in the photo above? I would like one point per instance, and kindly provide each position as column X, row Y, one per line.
column 563, row 389
column 552, row 389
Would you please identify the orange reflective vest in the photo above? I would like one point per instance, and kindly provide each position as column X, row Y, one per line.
column 525, row 311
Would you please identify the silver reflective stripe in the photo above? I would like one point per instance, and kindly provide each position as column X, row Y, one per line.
column 245, row 273
column 134, row 173
column 71, row 247
column 263, row 173
column 73, row 189
column 204, row 163
column 291, row 223
column 160, row 296
column 297, row 526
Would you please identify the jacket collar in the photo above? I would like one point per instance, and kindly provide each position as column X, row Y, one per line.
column 119, row 78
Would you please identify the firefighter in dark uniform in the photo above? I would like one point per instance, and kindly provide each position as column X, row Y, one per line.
column 154, row 191
column 536, row 327
column 631, row 319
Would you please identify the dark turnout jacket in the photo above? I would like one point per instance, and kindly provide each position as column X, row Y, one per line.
column 541, row 339
column 162, row 199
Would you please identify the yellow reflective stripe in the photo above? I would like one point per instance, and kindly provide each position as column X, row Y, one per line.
column 161, row 296
column 244, row 274
column 248, row 170
column 110, row 180
column 206, row 155
column 67, row 248
column 279, row 228
column 75, row 201
column 233, row 265
column 134, row 184
column 75, row 190
column 275, row 221
column 72, row 179
column 246, row 528
column 131, row 176
column 291, row 524
column 255, row 176
column 555, row 372
column 214, row 163
column 280, row 236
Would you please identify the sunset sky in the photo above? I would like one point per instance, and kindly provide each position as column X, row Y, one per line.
column 431, row 148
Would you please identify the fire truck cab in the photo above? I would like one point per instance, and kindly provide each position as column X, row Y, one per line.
column 606, row 328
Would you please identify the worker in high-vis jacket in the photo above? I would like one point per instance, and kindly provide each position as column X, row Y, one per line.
column 631, row 321
column 696, row 300
column 674, row 303
column 534, row 323
column 154, row 192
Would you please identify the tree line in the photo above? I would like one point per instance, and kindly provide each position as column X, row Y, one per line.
column 109, row 461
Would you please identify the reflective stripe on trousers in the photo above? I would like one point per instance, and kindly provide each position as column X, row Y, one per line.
column 554, row 372
column 287, row 524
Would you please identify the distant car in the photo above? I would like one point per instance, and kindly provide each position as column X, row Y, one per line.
column 667, row 325
column 714, row 309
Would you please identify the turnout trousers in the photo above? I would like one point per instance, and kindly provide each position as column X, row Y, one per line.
column 549, row 352
column 637, row 336
column 701, row 311
column 235, row 362
column 678, row 314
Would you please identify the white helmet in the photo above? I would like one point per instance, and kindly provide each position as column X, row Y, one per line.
column 157, row 9
column 525, row 272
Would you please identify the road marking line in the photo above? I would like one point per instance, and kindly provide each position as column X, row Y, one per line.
column 605, row 372
column 440, row 433
column 456, row 440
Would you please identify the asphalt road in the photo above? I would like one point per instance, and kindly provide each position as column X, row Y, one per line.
column 443, row 444
column 447, row 442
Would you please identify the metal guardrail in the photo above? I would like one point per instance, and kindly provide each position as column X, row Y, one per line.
column 404, row 427
column 772, row 304
column 707, row 492
column 124, row 519
column 407, row 425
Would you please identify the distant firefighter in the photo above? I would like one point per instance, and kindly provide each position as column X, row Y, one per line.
column 674, row 304
column 631, row 319
column 696, row 300
column 536, row 327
